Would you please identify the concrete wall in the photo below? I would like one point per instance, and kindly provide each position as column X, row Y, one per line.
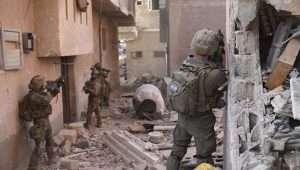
column 145, row 18
column 62, row 30
column 188, row 16
column 14, row 145
column 147, row 42
column 110, row 53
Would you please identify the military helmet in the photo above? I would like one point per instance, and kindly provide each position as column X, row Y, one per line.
column 97, row 66
column 205, row 42
column 37, row 82
column 205, row 166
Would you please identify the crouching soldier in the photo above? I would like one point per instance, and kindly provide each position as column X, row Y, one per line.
column 96, row 87
column 37, row 108
column 193, row 92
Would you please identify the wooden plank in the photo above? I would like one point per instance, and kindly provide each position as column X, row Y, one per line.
column 284, row 64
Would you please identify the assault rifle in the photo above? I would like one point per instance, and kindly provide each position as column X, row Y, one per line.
column 54, row 86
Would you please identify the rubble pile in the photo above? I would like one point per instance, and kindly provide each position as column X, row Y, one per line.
column 281, row 87
column 79, row 149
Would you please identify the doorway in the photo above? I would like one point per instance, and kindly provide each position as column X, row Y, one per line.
column 68, row 90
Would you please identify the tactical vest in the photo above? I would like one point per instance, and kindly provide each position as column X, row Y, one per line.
column 186, row 92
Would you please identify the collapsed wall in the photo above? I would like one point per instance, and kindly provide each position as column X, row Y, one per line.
column 244, row 121
column 262, row 130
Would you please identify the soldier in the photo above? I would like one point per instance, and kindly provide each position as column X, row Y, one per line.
column 193, row 92
column 98, row 90
column 37, row 108
column 107, row 88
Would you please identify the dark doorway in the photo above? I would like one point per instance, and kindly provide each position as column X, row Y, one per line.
column 68, row 90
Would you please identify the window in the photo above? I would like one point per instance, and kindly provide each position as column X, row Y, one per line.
column 136, row 54
column 11, row 49
column 153, row 4
column 159, row 54
column 139, row 2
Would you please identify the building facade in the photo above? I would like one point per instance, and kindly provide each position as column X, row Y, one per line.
column 66, row 42
column 145, row 53
column 182, row 18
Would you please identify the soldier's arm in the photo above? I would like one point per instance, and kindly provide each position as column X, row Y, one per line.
column 215, row 79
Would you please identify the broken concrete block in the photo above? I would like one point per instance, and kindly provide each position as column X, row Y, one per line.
column 75, row 125
column 67, row 147
column 136, row 128
column 58, row 140
column 295, row 97
column 69, row 164
column 83, row 143
column 280, row 101
column 156, row 137
column 284, row 64
column 68, row 134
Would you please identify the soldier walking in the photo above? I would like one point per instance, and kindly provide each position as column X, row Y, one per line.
column 98, row 90
column 37, row 108
column 193, row 92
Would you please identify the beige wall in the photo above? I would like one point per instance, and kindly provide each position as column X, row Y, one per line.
column 14, row 146
column 188, row 16
column 146, row 18
column 110, row 54
column 147, row 42
column 61, row 29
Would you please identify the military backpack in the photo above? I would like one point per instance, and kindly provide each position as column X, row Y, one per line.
column 186, row 91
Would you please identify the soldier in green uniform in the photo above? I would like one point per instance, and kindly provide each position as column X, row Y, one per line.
column 98, row 90
column 193, row 93
column 107, row 88
column 37, row 108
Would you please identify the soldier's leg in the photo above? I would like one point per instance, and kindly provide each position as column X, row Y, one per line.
column 35, row 157
column 50, row 145
column 181, row 142
column 98, row 116
column 205, row 141
column 89, row 115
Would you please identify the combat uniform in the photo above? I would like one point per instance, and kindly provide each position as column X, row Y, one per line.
column 200, row 123
column 38, row 108
column 97, row 88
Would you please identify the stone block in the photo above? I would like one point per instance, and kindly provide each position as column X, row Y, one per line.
column 69, row 164
column 68, row 134
column 58, row 140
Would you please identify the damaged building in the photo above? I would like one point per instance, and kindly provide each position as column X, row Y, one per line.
column 262, row 123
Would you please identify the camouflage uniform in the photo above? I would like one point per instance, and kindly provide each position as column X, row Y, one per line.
column 98, row 89
column 199, row 125
column 38, row 108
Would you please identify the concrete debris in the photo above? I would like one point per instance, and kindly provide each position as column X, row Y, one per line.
column 136, row 128
column 295, row 97
column 68, row 134
column 67, row 147
column 130, row 148
column 280, row 101
column 156, row 137
column 284, row 65
column 58, row 140
column 69, row 164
